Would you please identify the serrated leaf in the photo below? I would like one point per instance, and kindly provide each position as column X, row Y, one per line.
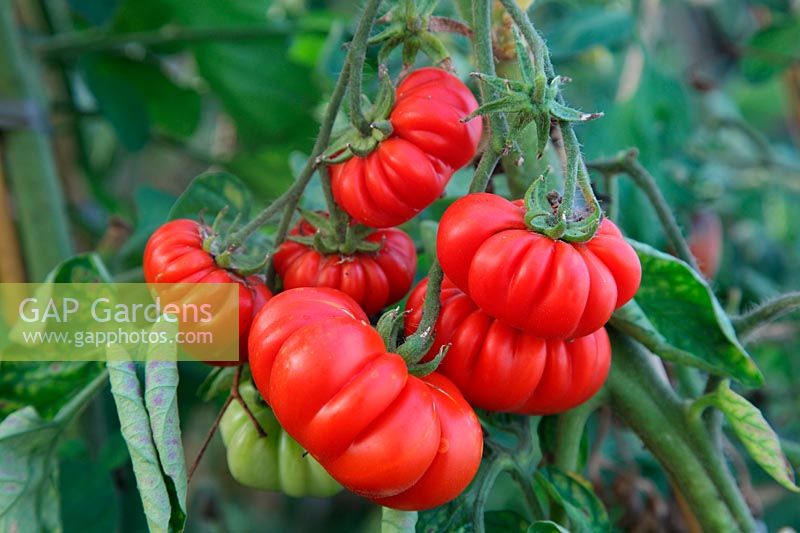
column 758, row 437
column 546, row 526
column 576, row 496
column 135, row 427
column 394, row 521
column 680, row 319
column 217, row 383
column 161, row 388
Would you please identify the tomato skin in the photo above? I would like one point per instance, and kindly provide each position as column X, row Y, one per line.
column 373, row 280
column 538, row 376
column 174, row 254
column 376, row 429
column 410, row 169
column 274, row 462
column 551, row 288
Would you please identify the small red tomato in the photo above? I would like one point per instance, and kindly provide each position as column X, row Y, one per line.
column 401, row 441
column 551, row 288
column 175, row 254
column 500, row 368
column 374, row 280
column 410, row 169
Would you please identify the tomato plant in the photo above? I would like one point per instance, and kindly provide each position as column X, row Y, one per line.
column 578, row 353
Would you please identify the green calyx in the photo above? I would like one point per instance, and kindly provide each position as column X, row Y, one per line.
column 216, row 239
column 533, row 100
column 414, row 348
column 408, row 27
column 327, row 241
column 352, row 142
column 542, row 215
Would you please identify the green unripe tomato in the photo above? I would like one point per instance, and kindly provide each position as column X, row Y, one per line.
column 275, row 462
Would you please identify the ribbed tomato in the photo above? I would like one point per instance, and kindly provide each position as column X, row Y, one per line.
column 401, row 441
column 551, row 288
column 410, row 169
column 500, row 368
column 373, row 280
column 175, row 254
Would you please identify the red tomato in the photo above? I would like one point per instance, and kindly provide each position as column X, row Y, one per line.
column 401, row 441
column 551, row 288
column 374, row 280
column 500, row 368
column 410, row 169
column 175, row 254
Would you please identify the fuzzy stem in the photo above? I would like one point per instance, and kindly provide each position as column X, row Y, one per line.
column 482, row 44
column 766, row 312
column 483, row 173
column 543, row 66
column 652, row 409
column 628, row 163
column 323, row 139
column 358, row 49
column 569, row 431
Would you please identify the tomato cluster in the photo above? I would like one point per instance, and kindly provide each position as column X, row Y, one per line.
column 521, row 313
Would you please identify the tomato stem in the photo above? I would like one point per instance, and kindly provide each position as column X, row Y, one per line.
column 482, row 44
column 766, row 312
column 358, row 49
column 627, row 162
column 211, row 431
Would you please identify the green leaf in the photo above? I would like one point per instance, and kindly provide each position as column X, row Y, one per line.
column 161, row 388
column 772, row 50
column 585, row 28
column 135, row 427
column 44, row 386
column 546, row 526
column 676, row 315
column 209, row 193
column 758, row 437
column 393, row 521
column 29, row 498
column 584, row 509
